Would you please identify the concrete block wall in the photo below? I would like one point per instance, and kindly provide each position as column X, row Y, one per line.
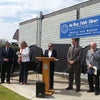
column 28, row 32
column 51, row 28
column 51, row 25
column 88, row 11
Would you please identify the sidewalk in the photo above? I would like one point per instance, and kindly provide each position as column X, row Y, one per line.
column 29, row 91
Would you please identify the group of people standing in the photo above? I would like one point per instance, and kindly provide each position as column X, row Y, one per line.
column 7, row 55
column 24, row 60
column 74, row 64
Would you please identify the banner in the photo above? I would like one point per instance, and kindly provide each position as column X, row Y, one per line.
column 81, row 28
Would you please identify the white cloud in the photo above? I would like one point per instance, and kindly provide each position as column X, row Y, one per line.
column 27, row 16
column 7, row 30
column 22, row 10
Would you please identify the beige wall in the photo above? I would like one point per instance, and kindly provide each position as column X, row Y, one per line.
column 28, row 32
column 51, row 27
column 88, row 11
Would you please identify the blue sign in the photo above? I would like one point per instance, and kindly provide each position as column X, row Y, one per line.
column 81, row 28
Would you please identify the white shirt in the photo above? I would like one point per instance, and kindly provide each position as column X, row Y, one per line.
column 25, row 54
column 49, row 53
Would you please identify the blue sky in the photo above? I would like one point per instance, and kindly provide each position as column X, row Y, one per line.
column 12, row 12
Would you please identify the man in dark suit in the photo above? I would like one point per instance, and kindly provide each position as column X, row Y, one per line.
column 51, row 53
column 35, row 64
column 7, row 58
column 73, row 57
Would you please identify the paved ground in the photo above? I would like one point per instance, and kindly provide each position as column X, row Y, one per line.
column 29, row 91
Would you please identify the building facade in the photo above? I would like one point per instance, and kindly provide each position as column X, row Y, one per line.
column 46, row 28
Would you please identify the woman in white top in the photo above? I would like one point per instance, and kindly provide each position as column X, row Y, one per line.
column 24, row 60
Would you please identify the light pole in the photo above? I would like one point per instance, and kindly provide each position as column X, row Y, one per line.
column 39, row 29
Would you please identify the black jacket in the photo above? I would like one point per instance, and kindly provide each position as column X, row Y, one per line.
column 54, row 54
column 8, row 55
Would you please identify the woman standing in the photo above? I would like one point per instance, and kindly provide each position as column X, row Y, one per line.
column 24, row 60
column 50, row 52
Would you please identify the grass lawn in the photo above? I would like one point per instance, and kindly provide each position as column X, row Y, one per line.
column 6, row 94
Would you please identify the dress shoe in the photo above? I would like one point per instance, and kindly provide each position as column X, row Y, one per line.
column 8, row 82
column 25, row 83
column 69, row 88
column 96, row 92
column 90, row 90
column 1, row 82
column 77, row 90
column 21, row 83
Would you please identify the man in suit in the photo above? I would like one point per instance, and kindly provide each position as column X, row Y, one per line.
column 51, row 53
column 36, row 52
column 74, row 68
column 7, row 58
column 92, row 60
column 96, row 60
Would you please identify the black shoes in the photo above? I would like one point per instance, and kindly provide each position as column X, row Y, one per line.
column 1, row 82
column 8, row 82
column 69, row 88
column 77, row 90
column 90, row 91
column 96, row 92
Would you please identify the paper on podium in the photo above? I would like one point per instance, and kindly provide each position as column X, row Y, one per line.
column 95, row 68
column 55, row 59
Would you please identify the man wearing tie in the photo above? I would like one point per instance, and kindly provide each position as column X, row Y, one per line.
column 7, row 58
column 74, row 67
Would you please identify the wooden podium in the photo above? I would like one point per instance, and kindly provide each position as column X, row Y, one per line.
column 46, row 72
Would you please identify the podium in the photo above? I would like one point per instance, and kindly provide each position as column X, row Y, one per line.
column 46, row 72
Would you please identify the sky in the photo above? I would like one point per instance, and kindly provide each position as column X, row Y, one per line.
column 12, row 12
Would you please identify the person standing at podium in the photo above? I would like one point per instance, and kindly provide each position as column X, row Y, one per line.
column 50, row 52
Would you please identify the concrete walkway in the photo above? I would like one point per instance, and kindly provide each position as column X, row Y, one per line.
column 29, row 91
